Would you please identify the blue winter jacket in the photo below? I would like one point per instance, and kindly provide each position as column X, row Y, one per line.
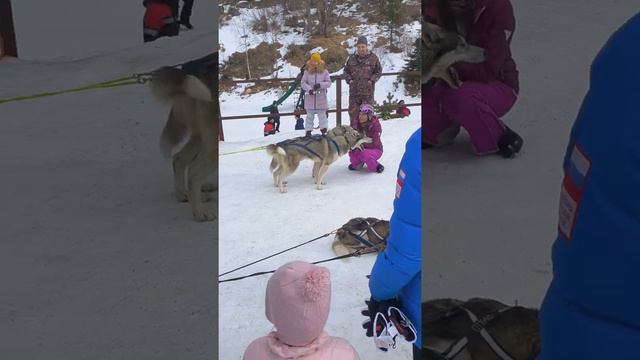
column 592, row 308
column 398, row 270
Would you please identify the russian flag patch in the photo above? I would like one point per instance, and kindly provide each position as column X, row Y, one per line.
column 400, row 182
column 573, row 184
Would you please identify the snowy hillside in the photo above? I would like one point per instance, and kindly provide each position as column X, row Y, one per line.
column 97, row 259
column 235, row 103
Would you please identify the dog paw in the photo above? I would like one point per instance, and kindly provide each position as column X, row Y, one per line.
column 182, row 197
column 208, row 215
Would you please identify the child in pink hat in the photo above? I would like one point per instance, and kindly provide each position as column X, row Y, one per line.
column 297, row 304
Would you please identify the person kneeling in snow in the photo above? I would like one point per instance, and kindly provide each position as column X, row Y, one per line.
column 159, row 20
column 396, row 277
column 297, row 304
column 486, row 91
column 371, row 152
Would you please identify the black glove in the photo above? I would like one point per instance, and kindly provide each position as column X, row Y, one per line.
column 374, row 307
column 316, row 86
column 311, row 92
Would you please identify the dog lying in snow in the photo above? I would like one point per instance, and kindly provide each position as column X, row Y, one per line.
column 478, row 329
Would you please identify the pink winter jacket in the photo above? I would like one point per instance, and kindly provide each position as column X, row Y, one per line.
column 297, row 304
column 318, row 101
column 325, row 347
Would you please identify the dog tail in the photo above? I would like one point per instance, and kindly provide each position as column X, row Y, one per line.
column 168, row 82
column 273, row 150
column 339, row 249
column 173, row 133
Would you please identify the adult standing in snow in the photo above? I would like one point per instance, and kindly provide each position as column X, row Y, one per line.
column 396, row 277
column 297, row 304
column 487, row 90
column 369, row 125
column 591, row 307
column 361, row 73
column 159, row 20
column 185, row 14
column 315, row 82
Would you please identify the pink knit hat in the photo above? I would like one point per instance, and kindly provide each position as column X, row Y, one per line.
column 297, row 302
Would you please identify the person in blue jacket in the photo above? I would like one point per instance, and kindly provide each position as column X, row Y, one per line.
column 592, row 307
column 396, row 276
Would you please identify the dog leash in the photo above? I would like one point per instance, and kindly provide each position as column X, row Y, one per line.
column 353, row 254
column 278, row 253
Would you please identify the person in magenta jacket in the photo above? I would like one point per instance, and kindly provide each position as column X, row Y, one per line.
column 487, row 90
column 371, row 152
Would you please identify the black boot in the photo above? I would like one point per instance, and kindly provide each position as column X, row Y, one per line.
column 379, row 168
column 509, row 144
column 307, row 134
column 186, row 23
column 323, row 131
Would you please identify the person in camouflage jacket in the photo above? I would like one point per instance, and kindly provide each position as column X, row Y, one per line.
column 361, row 72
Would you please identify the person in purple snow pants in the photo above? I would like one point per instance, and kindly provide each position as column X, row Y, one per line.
column 487, row 90
column 369, row 125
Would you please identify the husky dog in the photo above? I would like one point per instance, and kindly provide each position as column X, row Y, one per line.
column 322, row 150
column 361, row 234
column 478, row 329
column 441, row 49
column 193, row 117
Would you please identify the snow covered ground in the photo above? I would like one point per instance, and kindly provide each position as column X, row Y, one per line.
column 97, row 260
column 256, row 220
column 490, row 222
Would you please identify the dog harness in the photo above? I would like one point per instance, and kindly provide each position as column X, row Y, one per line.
column 477, row 327
column 364, row 241
column 305, row 145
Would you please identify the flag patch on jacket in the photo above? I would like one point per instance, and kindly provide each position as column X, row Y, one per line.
column 400, row 182
column 573, row 184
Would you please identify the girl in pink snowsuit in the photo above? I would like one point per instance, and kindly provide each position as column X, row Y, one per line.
column 297, row 304
column 368, row 124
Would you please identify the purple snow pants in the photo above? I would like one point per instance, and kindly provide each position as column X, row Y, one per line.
column 475, row 106
column 366, row 156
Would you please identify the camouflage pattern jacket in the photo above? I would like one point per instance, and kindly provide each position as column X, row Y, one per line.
column 359, row 70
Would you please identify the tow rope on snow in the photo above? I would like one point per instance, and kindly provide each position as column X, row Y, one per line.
column 123, row 81
column 244, row 151
column 355, row 253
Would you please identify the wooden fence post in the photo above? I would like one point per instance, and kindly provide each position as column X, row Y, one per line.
column 7, row 32
column 220, row 129
column 339, row 101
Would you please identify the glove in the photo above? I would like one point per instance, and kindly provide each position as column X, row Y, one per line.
column 316, row 86
column 374, row 307
column 311, row 92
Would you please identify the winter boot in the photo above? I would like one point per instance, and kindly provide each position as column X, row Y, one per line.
column 379, row 168
column 307, row 134
column 509, row 144
column 186, row 23
column 323, row 131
